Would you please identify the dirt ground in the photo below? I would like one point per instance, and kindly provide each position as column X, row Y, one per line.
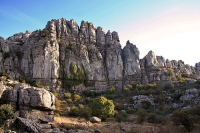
column 116, row 127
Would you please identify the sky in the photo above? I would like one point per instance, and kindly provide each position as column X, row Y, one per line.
column 170, row 28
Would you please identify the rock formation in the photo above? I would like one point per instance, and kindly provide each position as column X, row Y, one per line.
column 30, row 102
column 64, row 55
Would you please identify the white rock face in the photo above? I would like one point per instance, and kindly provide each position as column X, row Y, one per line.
column 132, row 71
column 46, row 56
column 38, row 98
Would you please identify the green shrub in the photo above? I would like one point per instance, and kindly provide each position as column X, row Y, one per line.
column 87, row 100
column 36, row 84
column 111, row 90
column 198, row 82
column 102, row 107
column 110, row 96
column 44, row 33
column 76, row 98
column 150, row 86
column 154, row 118
column 67, row 95
column 93, row 94
column 57, row 114
column 119, row 106
column 85, row 112
column 121, row 117
column 74, row 111
column 146, row 104
column 142, row 114
column 55, row 93
column 185, row 75
column 139, row 86
column 4, row 74
column 69, row 101
column 126, row 91
column 179, row 77
column 78, row 76
column 171, row 73
column 185, row 118
column 6, row 112
column 130, row 87
column 57, row 104
column 176, row 96
column 167, row 87
column 67, row 109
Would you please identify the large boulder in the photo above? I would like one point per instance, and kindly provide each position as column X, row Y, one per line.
column 23, row 95
column 95, row 119
column 30, row 102
column 28, row 125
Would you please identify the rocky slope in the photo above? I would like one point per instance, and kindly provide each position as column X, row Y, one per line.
column 65, row 55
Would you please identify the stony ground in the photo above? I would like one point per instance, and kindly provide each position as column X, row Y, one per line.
column 116, row 127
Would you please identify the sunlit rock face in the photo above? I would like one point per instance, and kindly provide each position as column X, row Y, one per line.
column 132, row 70
column 48, row 55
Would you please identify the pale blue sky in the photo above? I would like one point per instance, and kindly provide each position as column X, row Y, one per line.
column 150, row 24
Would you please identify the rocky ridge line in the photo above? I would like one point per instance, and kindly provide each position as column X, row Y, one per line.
column 47, row 56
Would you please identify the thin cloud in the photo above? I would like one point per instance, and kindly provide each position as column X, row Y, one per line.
column 19, row 16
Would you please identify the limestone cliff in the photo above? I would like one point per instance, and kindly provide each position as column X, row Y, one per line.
column 65, row 55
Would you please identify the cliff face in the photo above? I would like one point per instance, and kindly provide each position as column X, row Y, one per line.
column 64, row 55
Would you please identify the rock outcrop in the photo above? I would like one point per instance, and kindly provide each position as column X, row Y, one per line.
column 141, row 100
column 56, row 55
column 28, row 125
column 132, row 70
column 30, row 102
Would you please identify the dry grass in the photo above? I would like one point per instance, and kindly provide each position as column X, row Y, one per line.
column 116, row 127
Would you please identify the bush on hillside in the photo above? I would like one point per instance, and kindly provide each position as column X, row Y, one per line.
column 111, row 90
column 55, row 93
column 142, row 114
column 44, row 33
column 57, row 104
column 171, row 73
column 36, row 84
column 80, row 111
column 154, row 118
column 121, row 117
column 76, row 98
column 6, row 112
column 102, row 107
column 67, row 95
column 185, row 75
column 187, row 118
column 126, row 91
